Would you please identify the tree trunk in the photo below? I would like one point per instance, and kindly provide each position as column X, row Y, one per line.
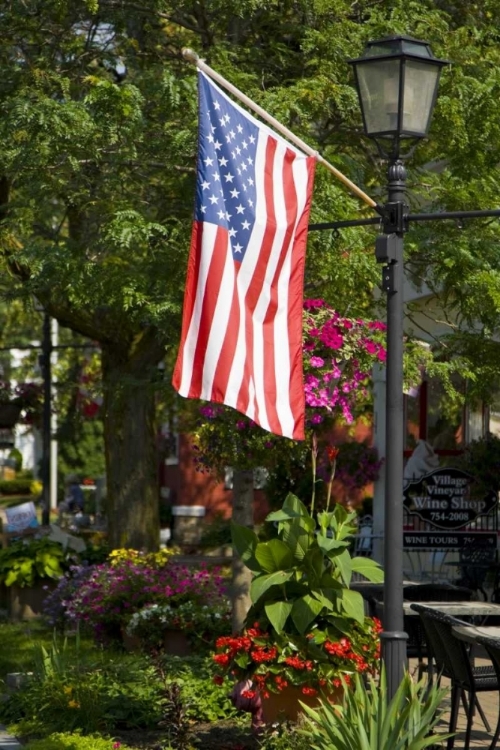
column 131, row 449
column 242, row 576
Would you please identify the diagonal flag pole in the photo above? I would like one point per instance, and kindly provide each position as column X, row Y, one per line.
column 191, row 56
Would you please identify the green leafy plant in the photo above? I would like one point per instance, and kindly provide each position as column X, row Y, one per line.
column 301, row 579
column 200, row 622
column 203, row 700
column 24, row 562
column 305, row 627
column 368, row 719
column 17, row 486
column 75, row 741
column 481, row 458
column 104, row 693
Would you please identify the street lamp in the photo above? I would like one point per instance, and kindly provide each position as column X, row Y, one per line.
column 397, row 79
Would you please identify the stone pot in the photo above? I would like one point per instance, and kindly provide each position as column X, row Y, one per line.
column 26, row 602
column 176, row 643
column 131, row 643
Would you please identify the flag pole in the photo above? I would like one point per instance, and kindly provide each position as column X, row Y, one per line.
column 191, row 56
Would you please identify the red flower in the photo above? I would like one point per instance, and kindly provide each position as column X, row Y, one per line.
column 309, row 690
column 264, row 654
column 250, row 694
column 332, row 452
column 222, row 659
column 218, row 679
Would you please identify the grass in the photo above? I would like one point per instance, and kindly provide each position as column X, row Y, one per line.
column 18, row 644
column 231, row 733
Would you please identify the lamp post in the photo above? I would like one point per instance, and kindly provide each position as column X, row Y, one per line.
column 397, row 79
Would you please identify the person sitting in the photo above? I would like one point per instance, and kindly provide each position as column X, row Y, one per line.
column 74, row 500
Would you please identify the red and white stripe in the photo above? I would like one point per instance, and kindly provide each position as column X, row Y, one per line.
column 241, row 342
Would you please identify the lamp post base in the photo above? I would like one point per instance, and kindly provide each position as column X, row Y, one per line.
column 394, row 658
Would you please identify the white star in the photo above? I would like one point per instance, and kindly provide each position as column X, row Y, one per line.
column 240, row 209
column 210, row 138
column 228, row 138
column 244, row 167
column 232, row 232
column 228, row 216
column 244, row 187
column 216, row 105
column 208, row 161
column 205, row 185
column 217, row 146
column 227, row 118
column 245, row 225
column 232, row 134
column 250, row 202
column 238, row 248
column 239, row 129
column 250, row 181
column 229, row 177
column 222, row 161
column 238, row 150
column 250, row 160
column 238, row 170
column 252, row 139
column 213, row 199
column 222, row 121
column 233, row 154
column 235, row 193
column 216, row 176
column 244, row 144
column 203, row 209
column 212, row 128
column 221, row 214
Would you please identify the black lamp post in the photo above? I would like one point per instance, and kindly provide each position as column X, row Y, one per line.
column 397, row 79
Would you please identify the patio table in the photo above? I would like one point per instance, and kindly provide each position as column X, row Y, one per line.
column 457, row 609
column 469, row 633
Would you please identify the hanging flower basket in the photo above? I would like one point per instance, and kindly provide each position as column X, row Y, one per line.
column 20, row 403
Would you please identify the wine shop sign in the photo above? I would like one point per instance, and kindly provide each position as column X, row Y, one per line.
column 446, row 499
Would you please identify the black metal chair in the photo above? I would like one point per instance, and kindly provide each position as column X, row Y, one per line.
column 453, row 660
column 492, row 646
column 417, row 637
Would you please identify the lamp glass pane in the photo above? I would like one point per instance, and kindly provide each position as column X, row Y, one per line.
column 421, row 80
column 379, row 94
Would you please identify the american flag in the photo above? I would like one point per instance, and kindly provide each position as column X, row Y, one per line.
column 241, row 342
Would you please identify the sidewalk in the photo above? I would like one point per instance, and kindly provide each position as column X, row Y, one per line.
column 7, row 741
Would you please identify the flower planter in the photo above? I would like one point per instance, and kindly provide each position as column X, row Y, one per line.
column 25, row 603
column 131, row 643
column 285, row 706
column 176, row 643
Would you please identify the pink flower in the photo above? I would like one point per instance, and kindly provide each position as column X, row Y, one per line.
column 316, row 362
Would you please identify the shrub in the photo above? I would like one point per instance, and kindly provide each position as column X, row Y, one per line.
column 200, row 622
column 106, row 599
column 26, row 561
column 65, row 693
column 74, row 741
column 108, row 692
column 15, row 486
